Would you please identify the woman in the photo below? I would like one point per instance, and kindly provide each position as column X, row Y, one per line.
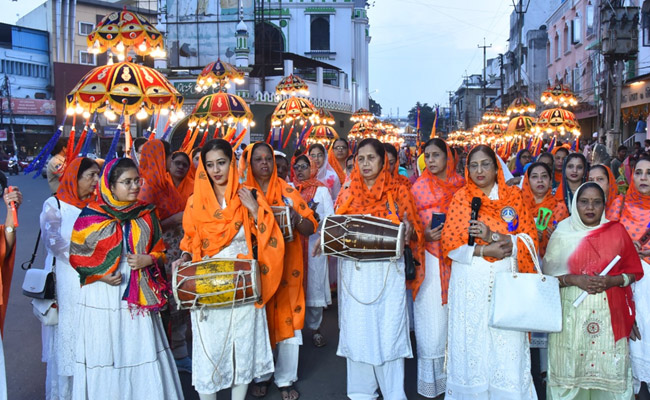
column 432, row 193
column 115, row 248
column 523, row 158
column 373, row 321
column 337, row 157
column 196, row 154
column 76, row 191
column 160, row 190
column 228, row 225
column 286, row 311
column 394, row 168
column 483, row 361
column 633, row 211
column 548, row 159
column 574, row 174
column 318, row 294
column 182, row 172
column 603, row 176
column 589, row 358
column 326, row 173
column 349, row 166
column 559, row 154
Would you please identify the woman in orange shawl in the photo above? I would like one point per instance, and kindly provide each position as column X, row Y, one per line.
column 337, row 156
column 373, row 321
column 633, row 211
column 559, row 154
column 484, row 361
column 182, row 172
column 393, row 163
column 574, row 174
column 603, row 176
column 223, row 219
column 286, row 310
column 432, row 193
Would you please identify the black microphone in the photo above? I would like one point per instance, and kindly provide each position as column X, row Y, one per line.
column 476, row 204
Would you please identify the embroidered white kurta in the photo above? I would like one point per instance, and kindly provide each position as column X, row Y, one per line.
column 640, row 349
column 318, row 283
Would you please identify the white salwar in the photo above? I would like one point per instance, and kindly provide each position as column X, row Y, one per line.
column 430, row 317
column 59, row 340
column 121, row 355
column 483, row 362
column 230, row 345
column 317, row 295
column 640, row 349
column 374, row 327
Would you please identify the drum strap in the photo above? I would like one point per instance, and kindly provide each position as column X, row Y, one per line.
column 381, row 293
column 392, row 209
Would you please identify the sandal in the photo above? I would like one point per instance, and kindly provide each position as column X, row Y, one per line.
column 289, row 393
column 260, row 389
column 318, row 339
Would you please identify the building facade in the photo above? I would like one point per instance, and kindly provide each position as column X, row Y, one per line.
column 467, row 101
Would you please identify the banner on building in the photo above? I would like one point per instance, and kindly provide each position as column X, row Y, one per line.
column 28, row 106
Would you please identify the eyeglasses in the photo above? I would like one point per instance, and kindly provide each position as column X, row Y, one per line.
column 485, row 165
column 300, row 167
column 596, row 203
column 132, row 182
column 340, row 148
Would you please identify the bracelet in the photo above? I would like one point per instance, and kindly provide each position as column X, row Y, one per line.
column 626, row 280
column 563, row 281
column 481, row 251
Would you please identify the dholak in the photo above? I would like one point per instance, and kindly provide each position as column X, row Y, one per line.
column 362, row 237
column 217, row 282
column 283, row 217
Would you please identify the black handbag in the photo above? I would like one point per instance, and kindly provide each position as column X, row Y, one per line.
column 409, row 264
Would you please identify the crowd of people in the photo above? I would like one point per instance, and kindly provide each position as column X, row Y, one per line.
column 120, row 232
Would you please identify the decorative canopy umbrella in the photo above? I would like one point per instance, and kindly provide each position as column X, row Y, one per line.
column 521, row 125
column 292, row 85
column 324, row 117
column 218, row 75
column 559, row 95
column 221, row 109
column 460, row 138
column 494, row 115
column 491, row 128
column 121, row 30
column 362, row 130
column 124, row 87
column 521, row 105
column 362, row 115
column 558, row 121
column 293, row 109
column 322, row 134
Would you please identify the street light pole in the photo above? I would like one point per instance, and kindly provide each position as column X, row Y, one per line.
column 520, row 9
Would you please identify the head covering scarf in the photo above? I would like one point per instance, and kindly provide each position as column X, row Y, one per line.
column 507, row 215
column 68, row 191
column 578, row 249
column 158, row 188
column 328, row 176
column 286, row 310
column 209, row 228
column 612, row 191
column 633, row 211
column 385, row 199
column 550, row 202
column 334, row 162
column 563, row 192
column 98, row 238
column 557, row 176
column 519, row 167
column 432, row 194
column 186, row 188
column 308, row 187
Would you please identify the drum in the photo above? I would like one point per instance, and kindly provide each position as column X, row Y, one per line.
column 216, row 283
column 283, row 216
column 362, row 237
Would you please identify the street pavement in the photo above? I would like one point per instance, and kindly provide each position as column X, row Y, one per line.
column 322, row 374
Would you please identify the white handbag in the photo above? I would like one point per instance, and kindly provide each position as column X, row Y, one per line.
column 46, row 311
column 525, row 302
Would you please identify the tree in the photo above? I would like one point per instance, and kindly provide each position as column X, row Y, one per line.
column 375, row 107
column 427, row 115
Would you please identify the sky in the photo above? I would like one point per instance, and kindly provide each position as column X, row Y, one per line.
column 419, row 50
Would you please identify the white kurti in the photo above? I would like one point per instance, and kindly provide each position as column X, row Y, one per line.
column 121, row 355
column 59, row 340
column 230, row 346
column 318, row 282
column 430, row 318
column 640, row 349
column 373, row 319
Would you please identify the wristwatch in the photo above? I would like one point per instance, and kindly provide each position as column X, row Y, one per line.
column 495, row 236
column 10, row 229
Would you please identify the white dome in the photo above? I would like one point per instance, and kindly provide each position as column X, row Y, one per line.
column 241, row 26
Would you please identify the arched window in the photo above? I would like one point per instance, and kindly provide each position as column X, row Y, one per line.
column 548, row 52
column 557, row 45
column 269, row 44
column 320, row 32
column 567, row 38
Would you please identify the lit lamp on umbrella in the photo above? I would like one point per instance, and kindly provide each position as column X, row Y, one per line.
column 362, row 130
column 324, row 117
column 521, row 106
column 294, row 111
column 323, row 134
column 292, row 85
column 558, row 121
column 559, row 96
column 520, row 129
column 218, row 75
column 121, row 31
column 362, row 115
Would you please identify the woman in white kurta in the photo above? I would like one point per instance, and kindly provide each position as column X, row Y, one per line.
column 76, row 190
column 483, row 362
column 317, row 295
column 230, row 345
column 432, row 193
column 326, row 173
column 373, row 318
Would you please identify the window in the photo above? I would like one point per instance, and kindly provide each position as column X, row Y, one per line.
column 567, row 39
column 548, row 52
column 557, row 46
column 576, row 80
column 320, row 32
column 85, row 28
column 576, row 30
column 86, row 58
column 590, row 20
column 645, row 23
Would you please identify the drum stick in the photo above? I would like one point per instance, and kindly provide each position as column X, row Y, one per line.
column 14, row 212
column 608, row 268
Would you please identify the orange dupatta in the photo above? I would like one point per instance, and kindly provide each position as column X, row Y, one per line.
column 209, row 228
column 455, row 232
column 286, row 310
column 432, row 194
column 385, row 199
column 159, row 188
column 186, row 188
column 68, row 187
column 633, row 211
column 612, row 193
column 340, row 171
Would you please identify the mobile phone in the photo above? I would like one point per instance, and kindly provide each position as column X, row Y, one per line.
column 437, row 219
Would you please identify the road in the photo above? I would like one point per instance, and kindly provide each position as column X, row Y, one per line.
column 322, row 374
